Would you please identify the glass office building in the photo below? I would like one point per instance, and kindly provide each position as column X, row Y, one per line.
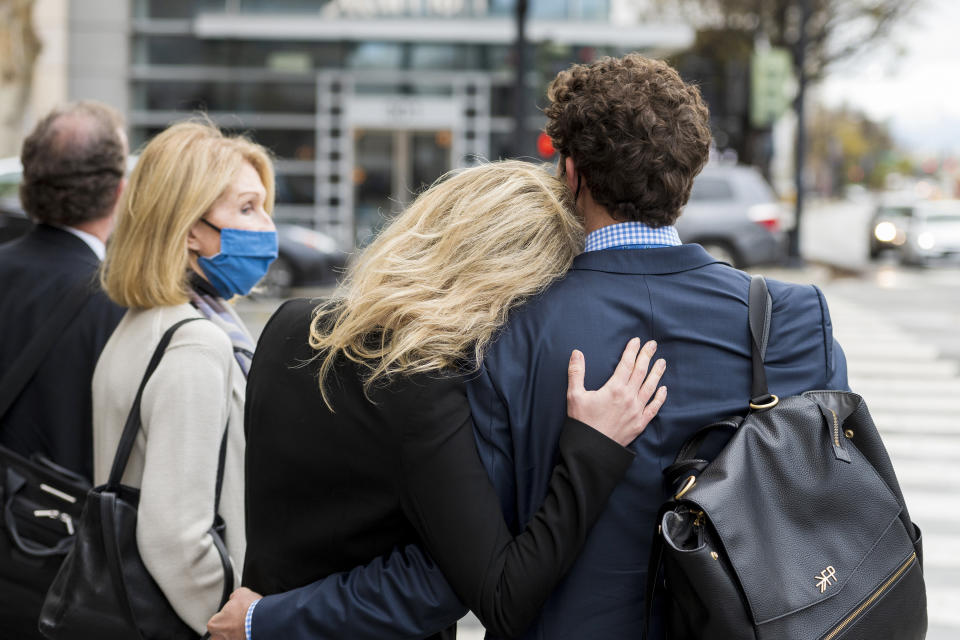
column 363, row 102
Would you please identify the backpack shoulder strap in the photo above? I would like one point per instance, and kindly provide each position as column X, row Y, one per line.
column 760, row 312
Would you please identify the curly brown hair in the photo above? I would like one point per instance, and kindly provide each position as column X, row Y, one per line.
column 637, row 133
column 73, row 162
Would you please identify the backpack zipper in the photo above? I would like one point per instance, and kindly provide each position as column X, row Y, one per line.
column 876, row 594
column 838, row 450
column 836, row 428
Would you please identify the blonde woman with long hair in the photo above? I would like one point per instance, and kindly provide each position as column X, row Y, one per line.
column 194, row 229
column 360, row 439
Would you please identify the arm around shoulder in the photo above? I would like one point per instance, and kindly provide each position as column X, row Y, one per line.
column 403, row 596
column 450, row 501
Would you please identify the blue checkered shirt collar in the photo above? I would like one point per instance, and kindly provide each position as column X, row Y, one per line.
column 631, row 235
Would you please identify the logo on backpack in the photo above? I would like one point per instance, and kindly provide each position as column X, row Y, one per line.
column 825, row 577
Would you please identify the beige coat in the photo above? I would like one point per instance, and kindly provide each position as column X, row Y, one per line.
column 186, row 405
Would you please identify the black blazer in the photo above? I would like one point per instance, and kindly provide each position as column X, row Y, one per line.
column 53, row 415
column 326, row 492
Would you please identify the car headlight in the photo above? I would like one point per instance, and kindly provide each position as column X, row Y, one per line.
column 926, row 241
column 885, row 232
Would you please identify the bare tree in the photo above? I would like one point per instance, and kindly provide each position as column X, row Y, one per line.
column 834, row 29
column 19, row 49
column 817, row 33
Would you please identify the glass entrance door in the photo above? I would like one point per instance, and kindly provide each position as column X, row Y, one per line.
column 390, row 168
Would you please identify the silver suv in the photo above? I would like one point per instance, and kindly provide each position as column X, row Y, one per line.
column 735, row 215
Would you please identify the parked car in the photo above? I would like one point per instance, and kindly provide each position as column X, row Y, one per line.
column 889, row 223
column 13, row 222
column 307, row 257
column 933, row 233
column 735, row 215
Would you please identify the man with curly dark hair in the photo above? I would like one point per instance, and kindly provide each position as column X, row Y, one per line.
column 632, row 136
column 73, row 162
column 634, row 132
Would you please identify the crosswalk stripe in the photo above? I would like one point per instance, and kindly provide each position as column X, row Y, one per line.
column 921, row 473
column 919, row 406
column 932, row 448
column 942, row 607
column 941, row 551
column 910, row 388
column 867, row 368
column 913, row 395
column 904, row 422
column 905, row 352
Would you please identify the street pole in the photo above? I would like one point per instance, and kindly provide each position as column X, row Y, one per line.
column 793, row 250
column 520, row 81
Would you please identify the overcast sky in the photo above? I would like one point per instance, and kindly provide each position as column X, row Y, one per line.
column 918, row 91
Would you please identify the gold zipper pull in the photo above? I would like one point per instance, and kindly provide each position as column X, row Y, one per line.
column 833, row 426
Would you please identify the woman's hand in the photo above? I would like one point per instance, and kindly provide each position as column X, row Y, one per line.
column 623, row 407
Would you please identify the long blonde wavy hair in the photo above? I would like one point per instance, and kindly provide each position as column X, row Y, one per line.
column 433, row 288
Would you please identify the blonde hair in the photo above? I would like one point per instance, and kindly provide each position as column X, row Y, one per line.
column 180, row 174
column 434, row 287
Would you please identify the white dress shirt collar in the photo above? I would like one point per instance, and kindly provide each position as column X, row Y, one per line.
column 96, row 244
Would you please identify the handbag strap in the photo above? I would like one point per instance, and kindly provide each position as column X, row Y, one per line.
column 654, row 566
column 221, row 460
column 25, row 366
column 125, row 448
column 113, row 555
column 760, row 312
column 132, row 426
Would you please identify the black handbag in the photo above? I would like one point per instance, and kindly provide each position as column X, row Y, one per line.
column 103, row 590
column 40, row 501
column 796, row 530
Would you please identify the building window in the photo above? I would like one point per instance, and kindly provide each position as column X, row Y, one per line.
column 167, row 9
column 288, row 144
column 281, row 6
column 294, row 189
column 376, row 55
column 262, row 97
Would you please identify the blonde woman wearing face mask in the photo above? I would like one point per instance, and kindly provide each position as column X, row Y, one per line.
column 360, row 437
column 193, row 230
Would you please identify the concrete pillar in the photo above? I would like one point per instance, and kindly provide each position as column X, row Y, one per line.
column 98, row 49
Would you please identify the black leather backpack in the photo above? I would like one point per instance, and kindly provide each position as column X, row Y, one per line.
column 797, row 529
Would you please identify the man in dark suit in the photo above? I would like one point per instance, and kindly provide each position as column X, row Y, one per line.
column 73, row 166
column 632, row 136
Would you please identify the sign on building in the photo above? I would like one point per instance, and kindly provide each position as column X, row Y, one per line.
column 772, row 85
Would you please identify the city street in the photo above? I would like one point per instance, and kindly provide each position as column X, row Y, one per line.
column 898, row 328
column 267, row 144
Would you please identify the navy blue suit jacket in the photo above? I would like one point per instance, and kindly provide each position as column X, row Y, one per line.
column 53, row 415
column 696, row 309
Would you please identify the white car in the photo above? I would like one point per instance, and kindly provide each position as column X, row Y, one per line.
column 933, row 233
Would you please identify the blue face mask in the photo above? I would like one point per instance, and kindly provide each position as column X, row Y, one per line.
column 242, row 262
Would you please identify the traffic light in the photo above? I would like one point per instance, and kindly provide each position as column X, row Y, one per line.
column 545, row 146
